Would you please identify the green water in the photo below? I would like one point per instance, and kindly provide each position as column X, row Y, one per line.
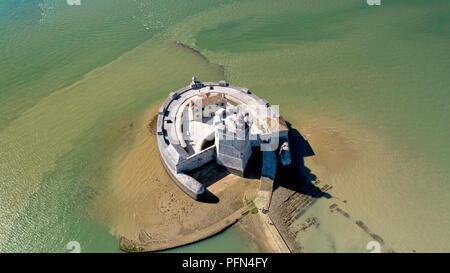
column 232, row 240
column 72, row 79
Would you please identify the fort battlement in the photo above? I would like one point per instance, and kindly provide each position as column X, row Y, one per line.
column 216, row 121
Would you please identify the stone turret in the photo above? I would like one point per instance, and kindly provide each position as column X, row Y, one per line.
column 233, row 148
column 195, row 83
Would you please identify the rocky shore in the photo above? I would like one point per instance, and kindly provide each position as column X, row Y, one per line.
column 288, row 205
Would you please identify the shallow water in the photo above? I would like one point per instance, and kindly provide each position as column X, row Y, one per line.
column 232, row 240
column 74, row 81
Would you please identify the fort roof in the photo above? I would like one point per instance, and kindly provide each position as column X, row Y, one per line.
column 276, row 124
column 207, row 98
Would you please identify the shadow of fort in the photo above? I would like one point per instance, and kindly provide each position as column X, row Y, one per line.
column 297, row 177
column 209, row 174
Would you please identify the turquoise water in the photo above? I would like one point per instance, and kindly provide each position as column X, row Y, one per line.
column 72, row 79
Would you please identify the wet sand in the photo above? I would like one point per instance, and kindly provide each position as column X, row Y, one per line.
column 143, row 205
column 253, row 225
column 298, row 188
column 315, row 206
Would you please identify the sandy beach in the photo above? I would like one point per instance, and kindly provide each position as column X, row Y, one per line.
column 254, row 226
column 143, row 205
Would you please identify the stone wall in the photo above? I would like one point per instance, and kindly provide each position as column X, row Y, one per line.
column 196, row 160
